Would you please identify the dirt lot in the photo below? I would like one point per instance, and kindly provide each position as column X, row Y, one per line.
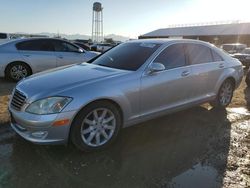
column 5, row 90
column 199, row 147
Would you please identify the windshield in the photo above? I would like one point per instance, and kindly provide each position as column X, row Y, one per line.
column 127, row 56
column 246, row 51
column 228, row 47
column 233, row 48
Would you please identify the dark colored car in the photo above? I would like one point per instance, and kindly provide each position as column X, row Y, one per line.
column 243, row 56
column 248, row 78
column 83, row 46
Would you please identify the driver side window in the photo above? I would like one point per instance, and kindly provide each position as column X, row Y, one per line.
column 61, row 46
column 172, row 57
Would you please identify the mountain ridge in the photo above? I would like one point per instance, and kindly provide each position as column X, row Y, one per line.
column 80, row 36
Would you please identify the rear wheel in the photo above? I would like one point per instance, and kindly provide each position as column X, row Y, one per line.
column 96, row 126
column 248, row 79
column 224, row 95
column 17, row 71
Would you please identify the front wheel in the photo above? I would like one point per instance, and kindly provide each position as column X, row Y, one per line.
column 96, row 126
column 224, row 95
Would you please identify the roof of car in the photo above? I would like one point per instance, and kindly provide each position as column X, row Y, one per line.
column 155, row 41
column 34, row 38
column 234, row 44
column 164, row 41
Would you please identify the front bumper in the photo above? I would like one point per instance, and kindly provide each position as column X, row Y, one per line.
column 39, row 128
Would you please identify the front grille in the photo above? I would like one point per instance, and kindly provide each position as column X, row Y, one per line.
column 18, row 100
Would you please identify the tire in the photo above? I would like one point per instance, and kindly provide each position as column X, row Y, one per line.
column 91, row 132
column 248, row 79
column 224, row 96
column 17, row 71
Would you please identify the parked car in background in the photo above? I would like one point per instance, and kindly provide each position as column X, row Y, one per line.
column 101, row 47
column 247, row 80
column 21, row 58
column 4, row 37
column 233, row 48
column 83, row 46
column 133, row 82
column 243, row 56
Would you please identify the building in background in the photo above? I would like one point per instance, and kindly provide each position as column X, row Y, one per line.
column 97, row 22
column 216, row 33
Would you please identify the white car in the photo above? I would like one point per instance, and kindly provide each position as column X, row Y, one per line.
column 4, row 37
column 233, row 48
column 21, row 58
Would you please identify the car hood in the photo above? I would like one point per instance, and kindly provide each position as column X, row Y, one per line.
column 55, row 81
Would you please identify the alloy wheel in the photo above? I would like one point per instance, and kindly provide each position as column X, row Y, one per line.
column 18, row 72
column 226, row 93
column 98, row 127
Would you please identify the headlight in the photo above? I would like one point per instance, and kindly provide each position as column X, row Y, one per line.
column 49, row 105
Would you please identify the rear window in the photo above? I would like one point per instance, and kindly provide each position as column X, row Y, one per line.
column 216, row 56
column 127, row 56
column 35, row 45
column 198, row 54
column 3, row 36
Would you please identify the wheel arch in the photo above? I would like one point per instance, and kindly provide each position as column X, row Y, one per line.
column 98, row 100
column 232, row 79
column 228, row 74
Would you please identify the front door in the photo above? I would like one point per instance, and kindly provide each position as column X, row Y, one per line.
column 68, row 54
column 169, row 88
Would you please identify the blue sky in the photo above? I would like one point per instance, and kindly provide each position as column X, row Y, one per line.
column 124, row 17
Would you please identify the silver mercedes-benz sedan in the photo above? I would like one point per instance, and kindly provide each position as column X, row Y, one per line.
column 23, row 57
column 89, row 103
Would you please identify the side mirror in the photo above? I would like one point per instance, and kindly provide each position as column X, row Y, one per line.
column 156, row 67
column 80, row 50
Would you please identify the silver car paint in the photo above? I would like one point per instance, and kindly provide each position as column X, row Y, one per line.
column 141, row 96
column 39, row 60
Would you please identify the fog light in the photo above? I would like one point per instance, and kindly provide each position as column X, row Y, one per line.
column 39, row 134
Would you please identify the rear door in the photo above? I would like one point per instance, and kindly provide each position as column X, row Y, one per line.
column 68, row 53
column 169, row 88
column 207, row 66
column 39, row 53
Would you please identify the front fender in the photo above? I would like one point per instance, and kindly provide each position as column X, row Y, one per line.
column 125, row 95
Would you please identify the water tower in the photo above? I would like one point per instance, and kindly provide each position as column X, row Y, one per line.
column 97, row 22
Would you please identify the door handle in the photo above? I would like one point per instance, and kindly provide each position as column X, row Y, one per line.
column 221, row 65
column 185, row 73
column 61, row 57
column 26, row 55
